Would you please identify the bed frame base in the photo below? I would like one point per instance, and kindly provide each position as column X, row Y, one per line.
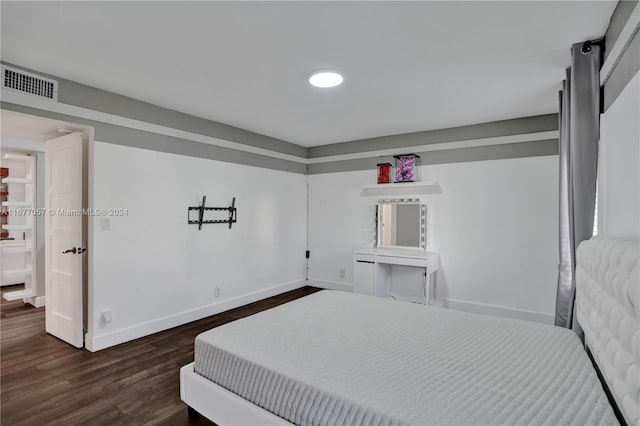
column 605, row 387
column 220, row 405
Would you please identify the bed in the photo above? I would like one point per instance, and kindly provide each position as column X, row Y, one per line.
column 337, row 358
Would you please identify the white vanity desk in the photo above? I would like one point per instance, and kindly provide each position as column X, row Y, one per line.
column 372, row 270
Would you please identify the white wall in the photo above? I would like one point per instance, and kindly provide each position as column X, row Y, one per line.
column 154, row 271
column 619, row 195
column 495, row 226
column 340, row 221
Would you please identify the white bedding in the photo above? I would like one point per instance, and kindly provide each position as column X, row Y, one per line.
column 338, row 358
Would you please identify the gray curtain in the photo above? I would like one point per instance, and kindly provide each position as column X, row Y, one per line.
column 579, row 134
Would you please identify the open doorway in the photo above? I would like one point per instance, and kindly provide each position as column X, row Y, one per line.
column 44, row 194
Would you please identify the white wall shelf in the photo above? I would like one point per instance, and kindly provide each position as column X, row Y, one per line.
column 17, row 180
column 15, row 295
column 401, row 189
column 17, row 203
column 27, row 271
column 19, row 254
column 17, row 157
column 22, row 249
column 17, row 227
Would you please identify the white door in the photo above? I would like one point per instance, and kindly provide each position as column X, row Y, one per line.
column 63, row 238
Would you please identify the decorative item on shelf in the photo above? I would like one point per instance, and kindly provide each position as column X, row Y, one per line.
column 201, row 209
column 384, row 172
column 406, row 167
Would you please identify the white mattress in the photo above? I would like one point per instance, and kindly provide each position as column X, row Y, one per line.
column 336, row 358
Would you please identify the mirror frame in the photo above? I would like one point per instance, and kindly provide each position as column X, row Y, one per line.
column 423, row 223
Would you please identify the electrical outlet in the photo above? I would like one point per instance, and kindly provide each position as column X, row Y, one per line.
column 105, row 224
column 342, row 273
column 216, row 292
column 106, row 316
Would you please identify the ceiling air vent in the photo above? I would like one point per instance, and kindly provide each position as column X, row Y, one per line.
column 26, row 82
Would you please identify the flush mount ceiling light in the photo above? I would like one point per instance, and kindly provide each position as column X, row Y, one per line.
column 325, row 79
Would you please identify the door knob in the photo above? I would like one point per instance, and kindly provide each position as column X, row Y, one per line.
column 81, row 250
column 72, row 250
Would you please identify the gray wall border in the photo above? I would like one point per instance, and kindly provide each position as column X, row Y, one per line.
column 76, row 94
column 627, row 64
column 619, row 17
column 534, row 124
column 445, row 156
column 125, row 136
column 623, row 72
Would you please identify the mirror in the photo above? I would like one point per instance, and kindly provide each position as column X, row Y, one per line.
column 401, row 223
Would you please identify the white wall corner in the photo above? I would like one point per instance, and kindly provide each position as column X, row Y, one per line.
column 95, row 343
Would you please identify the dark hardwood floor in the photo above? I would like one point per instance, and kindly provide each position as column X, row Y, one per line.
column 46, row 381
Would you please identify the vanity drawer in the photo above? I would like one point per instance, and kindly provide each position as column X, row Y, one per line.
column 403, row 261
column 365, row 257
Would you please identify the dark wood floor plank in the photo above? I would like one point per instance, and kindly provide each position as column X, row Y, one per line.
column 46, row 381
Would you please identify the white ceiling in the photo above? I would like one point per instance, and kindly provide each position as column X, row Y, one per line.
column 408, row 66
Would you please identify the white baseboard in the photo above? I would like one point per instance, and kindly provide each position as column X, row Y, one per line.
column 37, row 302
column 330, row 285
column 497, row 310
column 95, row 343
column 460, row 305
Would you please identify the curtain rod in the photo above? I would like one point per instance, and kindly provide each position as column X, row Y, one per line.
column 586, row 46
